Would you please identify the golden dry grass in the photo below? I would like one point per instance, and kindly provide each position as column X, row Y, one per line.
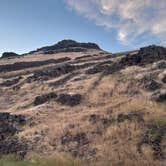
column 106, row 96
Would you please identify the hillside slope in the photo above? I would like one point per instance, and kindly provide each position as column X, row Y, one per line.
column 96, row 106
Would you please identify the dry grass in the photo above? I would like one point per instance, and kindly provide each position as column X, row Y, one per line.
column 106, row 96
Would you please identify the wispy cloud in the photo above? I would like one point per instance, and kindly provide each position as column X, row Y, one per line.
column 132, row 19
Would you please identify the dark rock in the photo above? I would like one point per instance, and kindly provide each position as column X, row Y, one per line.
column 74, row 49
column 84, row 57
column 9, row 55
column 23, row 65
column 161, row 65
column 94, row 118
column 54, row 72
column 130, row 117
column 44, row 98
column 164, row 79
column 11, row 82
column 153, row 85
column 101, row 67
column 62, row 81
column 67, row 99
column 67, row 46
column 80, row 146
column 146, row 55
column 9, row 126
column 153, row 136
column 102, row 121
column 159, row 95
column 148, row 82
column 113, row 68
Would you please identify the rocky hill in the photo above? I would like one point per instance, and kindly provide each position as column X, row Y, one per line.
column 74, row 98
column 67, row 46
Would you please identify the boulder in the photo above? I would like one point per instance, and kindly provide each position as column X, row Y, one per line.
column 70, row 100
column 44, row 98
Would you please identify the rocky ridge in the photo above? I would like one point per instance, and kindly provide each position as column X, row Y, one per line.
column 84, row 101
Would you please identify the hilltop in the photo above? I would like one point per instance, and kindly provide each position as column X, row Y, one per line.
column 77, row 99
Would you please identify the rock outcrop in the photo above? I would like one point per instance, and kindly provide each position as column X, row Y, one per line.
column 9, row 55
column 63, row 98
column 11, row 82
column 67, row 46
column 44, row 98
column 9, row 126
column 146, row 55
column 24, row 65
column 70, row 100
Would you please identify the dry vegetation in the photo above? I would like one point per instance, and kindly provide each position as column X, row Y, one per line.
column 107, row 128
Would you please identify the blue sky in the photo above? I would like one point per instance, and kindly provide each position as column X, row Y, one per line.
column 29, row 24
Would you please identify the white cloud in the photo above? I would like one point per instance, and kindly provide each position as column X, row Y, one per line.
column 130, row 18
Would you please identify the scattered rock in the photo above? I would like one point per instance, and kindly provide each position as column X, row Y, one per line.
column 23, row 65
column 130, row 117
column 148, row 82
column 160, row 65
column 53, row 72
column 67, row 99
column 63, row 98
column 94, row 118
column 164, row 79
column 9, row 126
column 11, row 81
column 44, row 98
column 83, row 57
column 102, row 121
column 153, row 136
column 63, row 80
column 159, row 95
column 76, row 144
column 113, row 68
column 101, row 67
column 80, row 138
column 152, row 85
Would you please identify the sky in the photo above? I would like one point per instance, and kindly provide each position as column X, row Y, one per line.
column 115, row 25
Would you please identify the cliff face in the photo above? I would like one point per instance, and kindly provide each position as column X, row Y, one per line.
column 91, row 104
